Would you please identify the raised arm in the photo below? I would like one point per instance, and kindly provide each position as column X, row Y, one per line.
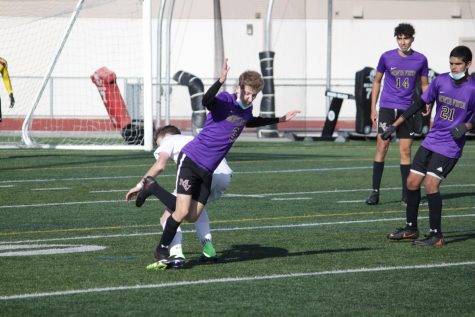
column 208, row 99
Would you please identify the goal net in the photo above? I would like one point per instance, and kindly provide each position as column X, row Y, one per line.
column 77, row 69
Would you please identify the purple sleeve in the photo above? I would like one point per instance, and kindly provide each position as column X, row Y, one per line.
column 430, row 95
column 381, row 68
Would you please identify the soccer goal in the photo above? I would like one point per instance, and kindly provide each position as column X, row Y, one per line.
column 81, row 72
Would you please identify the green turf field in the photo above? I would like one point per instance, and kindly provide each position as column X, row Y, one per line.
column 293, row 231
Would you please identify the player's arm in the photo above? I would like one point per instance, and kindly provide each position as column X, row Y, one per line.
column 424, row 83
column 416, row 106
column 155, row 169
column 208, row 99
column 375, row 89
column 260, row 121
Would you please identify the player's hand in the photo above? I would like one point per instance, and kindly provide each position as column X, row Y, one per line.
column 459, row 131
column 387, row 133
column 224, row 71
column 12, row 101
column 374, row 117
column 427, row 112
column 132, row 193
column 289, row 115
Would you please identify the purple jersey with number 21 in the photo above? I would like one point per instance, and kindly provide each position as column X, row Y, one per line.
column 455, row 105
column 400, row 78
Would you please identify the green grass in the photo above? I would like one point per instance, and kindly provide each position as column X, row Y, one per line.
column 293, row 231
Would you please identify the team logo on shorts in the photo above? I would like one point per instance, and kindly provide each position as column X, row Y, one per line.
column 383, row 126
column 185, row 183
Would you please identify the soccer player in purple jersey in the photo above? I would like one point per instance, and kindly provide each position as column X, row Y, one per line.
column 401, row 69
column 227, row 117
column 443, row 145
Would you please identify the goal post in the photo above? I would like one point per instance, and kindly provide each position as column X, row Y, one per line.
column 58, row 104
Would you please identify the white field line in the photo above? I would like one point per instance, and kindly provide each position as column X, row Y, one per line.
column 51, row 188
column 230, row 196
column 173, row 175
column 301, row 225
column 237, row 280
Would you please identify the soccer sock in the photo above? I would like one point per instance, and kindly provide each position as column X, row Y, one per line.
column 378, row 168
column 175, row 247
column 203, row 229
column 412, row 208
column 168, row 234
column 405, row 169
column 435, row 212
column 167, row 198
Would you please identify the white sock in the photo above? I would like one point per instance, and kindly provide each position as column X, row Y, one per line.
column 203, row 229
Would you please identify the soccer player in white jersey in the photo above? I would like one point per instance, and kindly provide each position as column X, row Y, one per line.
column 170, row 141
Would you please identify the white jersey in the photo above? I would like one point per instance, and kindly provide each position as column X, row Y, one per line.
column 172, row 145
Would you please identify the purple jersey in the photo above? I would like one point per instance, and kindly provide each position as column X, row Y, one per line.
column 223, row 126
column 400, row 78
column 455, row 105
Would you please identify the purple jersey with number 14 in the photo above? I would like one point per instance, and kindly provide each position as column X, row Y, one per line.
column 455, row 105
column 223, row 126
column 400, row 78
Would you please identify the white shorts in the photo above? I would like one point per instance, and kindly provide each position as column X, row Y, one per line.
column 219, row 185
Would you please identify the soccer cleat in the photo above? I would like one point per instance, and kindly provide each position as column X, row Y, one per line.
column 209, row 253
column 373, row 199
column 432, row 240
column 159, row 265
column 406, row 233
column 164, row 260
column 145, row 192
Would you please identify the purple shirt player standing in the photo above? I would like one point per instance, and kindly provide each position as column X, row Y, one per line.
column 400, row 78
column 438, row 154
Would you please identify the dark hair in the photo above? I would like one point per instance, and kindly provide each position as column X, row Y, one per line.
column 168, row 129
column 404, row 29
column 252, row 79
column 462, row 52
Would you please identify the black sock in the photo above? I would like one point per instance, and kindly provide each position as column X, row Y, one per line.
column 412, row 207
column 378, row 168
column 405, row 169
column 169, row 232
column 167, row 198
column 435, row 212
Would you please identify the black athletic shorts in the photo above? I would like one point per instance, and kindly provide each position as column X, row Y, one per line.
column 387, row 116
column 192, row 179
column 435, row 164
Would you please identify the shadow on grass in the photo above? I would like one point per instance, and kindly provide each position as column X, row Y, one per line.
column 461, row 237
column 251, row 252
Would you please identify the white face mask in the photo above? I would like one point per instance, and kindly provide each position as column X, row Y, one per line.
column 457, row 76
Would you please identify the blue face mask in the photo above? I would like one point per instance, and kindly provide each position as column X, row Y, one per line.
column 457, row 76
column 241, row 104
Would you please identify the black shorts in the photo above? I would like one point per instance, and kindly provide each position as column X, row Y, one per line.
column 387, row 117
column 435, row 164
column 192, row 180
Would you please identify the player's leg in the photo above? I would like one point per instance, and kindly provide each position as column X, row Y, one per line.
column 386, row 117
column 414, row 180
column 192, row 182
column 404, row 165
column 405, row 133
column 439, row 167
column 203, row 231
column 219, row 184
column 177, row 258
column 151, row 187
